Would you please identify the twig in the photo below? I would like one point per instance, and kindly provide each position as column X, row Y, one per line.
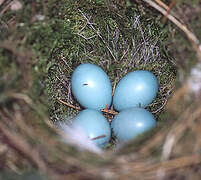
column 98, row 137
column 168, row 8
column 15, row 141
column 154, row 112
column 7, row 6
column 162, row 4
column 97, row 33
column 175, row 134
column 69, row 105
column 79, row 109
column 193, row 39
column 114, row 87
column 170, row 165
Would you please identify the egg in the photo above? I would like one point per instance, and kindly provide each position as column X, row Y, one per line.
column 94, row 125
column 136, row 89
column 132, row 122
column 91, row 86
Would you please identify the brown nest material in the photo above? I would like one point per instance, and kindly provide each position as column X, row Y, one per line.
column 31, row 145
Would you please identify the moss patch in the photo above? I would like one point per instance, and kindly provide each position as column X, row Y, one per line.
column 119, row 41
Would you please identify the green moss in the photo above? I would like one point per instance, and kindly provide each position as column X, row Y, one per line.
column 90, row 32
column 115, row 37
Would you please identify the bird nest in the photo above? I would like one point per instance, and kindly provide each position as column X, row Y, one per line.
column 118, row 45
column 36, row 69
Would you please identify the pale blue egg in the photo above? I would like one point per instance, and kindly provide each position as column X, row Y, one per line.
column 132, row 122
column 94, row 125
column 91, row 86
column 136, row 89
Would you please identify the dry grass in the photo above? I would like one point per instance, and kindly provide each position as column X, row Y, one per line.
column 28, row 139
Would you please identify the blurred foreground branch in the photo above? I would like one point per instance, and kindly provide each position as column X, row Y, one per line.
column 190, row 35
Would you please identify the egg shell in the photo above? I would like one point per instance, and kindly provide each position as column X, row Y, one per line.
column 136, row 89
column 91, row 86
column 95, row 125
column 132, row 122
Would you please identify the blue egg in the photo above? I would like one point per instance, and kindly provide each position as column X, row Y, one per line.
column 91, row 87
column 132, row 122
column 136, row 89
column 94, row 125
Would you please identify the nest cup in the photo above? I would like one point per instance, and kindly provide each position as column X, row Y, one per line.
column 118, row 45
